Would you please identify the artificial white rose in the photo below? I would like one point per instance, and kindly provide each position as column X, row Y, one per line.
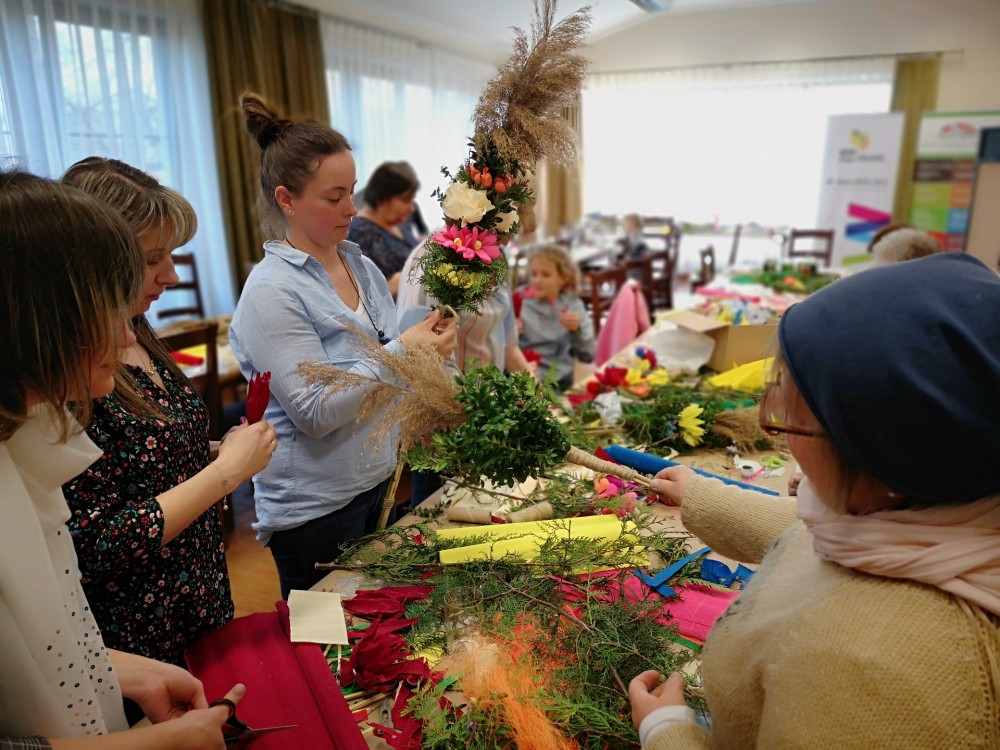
column 507, row 220
column 465, row 204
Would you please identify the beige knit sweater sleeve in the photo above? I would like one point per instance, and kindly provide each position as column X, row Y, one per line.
column 740, row 524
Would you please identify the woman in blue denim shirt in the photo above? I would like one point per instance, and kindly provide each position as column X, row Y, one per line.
column 300, row 304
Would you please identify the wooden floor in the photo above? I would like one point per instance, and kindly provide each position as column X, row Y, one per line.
column 251, row 569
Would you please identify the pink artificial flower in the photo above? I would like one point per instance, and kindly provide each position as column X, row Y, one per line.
column 470, row 243
column 605, row 488
column 450, row 237
column 482, row 244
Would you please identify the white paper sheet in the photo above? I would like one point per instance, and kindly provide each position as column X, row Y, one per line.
column 317, row 617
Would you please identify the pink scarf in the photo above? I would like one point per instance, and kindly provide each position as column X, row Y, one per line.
column 955, row 548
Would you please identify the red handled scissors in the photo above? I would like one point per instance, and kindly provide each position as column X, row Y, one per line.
column 238, row 732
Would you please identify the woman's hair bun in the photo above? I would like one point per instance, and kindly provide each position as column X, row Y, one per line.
column 263, row 124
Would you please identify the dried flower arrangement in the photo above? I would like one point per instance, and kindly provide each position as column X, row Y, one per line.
column 517, row 121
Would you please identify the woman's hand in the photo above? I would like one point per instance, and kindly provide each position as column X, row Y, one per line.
column 163, row 691
column 569, row 320
column 646, row 694
column 202, row 729
column 669, row 484
column 246, row 451
column 435, row 331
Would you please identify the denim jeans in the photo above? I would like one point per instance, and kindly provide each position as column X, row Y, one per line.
column 296, row 551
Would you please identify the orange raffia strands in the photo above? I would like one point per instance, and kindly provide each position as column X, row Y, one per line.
column 508, row 683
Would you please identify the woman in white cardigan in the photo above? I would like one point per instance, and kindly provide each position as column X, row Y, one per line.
column 70, row 269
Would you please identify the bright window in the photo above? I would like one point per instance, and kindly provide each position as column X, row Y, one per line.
column 125, row 79
column 726, row 145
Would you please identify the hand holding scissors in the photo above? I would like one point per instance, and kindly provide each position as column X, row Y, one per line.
column 237, row 732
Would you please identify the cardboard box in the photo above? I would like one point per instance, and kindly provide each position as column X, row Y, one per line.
column 734, row 345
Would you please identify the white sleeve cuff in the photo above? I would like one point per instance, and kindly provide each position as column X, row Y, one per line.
column 661, row 718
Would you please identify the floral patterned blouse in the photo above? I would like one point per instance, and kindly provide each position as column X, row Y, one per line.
column 150, row 600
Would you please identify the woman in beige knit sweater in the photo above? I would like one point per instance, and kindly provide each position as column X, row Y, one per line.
column 874, row 619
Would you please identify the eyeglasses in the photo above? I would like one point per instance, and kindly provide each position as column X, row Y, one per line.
column 774, row 417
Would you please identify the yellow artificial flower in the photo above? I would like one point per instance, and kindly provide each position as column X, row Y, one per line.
column 643, row 365
column 658, row 377
column 633, row 377
column 689, row 424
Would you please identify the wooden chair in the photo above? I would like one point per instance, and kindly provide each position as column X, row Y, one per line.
column 662, row 264
column 735, row 247
column 188, row 286
column 810, row 243
column 602, row 287
column 641, row 269
column 204, row 377
column 706, row 271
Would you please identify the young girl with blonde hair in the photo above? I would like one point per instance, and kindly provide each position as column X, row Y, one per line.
column 554, row 322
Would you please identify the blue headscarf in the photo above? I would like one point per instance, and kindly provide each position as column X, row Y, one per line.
column 901, row 365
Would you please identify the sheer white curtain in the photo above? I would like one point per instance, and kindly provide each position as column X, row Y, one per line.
column 727, row 144
column 125, row 79
column 397, row 98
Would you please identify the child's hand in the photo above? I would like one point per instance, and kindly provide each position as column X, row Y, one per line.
column 569, row 320
column 520, row 325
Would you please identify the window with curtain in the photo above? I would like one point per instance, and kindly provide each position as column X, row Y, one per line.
column 124, row 79
column 728, row 144
column 400, row 99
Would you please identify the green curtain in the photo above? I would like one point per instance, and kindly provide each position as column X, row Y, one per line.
column 561, row 199
column 273, row 50
column 914, row 91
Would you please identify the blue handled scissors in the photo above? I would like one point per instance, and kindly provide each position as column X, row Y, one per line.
column 238, row 732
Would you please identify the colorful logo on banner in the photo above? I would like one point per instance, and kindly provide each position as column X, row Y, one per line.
column 859, row 179
column 871, row 220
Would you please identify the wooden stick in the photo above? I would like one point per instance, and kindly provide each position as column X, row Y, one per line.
column 589, row 461
column 377, row 698
column 389, row 501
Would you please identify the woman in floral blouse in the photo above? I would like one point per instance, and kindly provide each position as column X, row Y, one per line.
column 147, row 535
column 381, row 228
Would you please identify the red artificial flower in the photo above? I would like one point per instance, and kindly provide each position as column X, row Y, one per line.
column 258, row 394
column 381, row 658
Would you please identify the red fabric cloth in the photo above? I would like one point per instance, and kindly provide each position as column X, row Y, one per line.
column 287, row 683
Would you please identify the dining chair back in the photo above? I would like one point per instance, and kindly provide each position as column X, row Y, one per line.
column 735, row 247
column 186, row 292
column 204, row 377
column 810, row 243
column 706, row 271
column 600, row 289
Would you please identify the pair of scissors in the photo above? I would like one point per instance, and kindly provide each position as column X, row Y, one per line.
column 238, row 731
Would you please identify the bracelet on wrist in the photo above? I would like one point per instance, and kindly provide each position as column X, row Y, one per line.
column 225, row 482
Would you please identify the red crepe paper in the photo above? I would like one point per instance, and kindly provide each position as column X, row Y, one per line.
column 530, row 355
column 694, row 610
column 388, row 602
column 406, row 732
column 287, row 683
column 258, row 394
column 381, row 658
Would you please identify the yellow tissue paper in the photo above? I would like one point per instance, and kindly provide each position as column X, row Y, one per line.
column 752, row 376
column 526, row 541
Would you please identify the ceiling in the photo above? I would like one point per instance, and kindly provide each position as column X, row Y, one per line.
column 481, row 28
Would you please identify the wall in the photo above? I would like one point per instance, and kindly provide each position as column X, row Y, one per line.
column 967, row 30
